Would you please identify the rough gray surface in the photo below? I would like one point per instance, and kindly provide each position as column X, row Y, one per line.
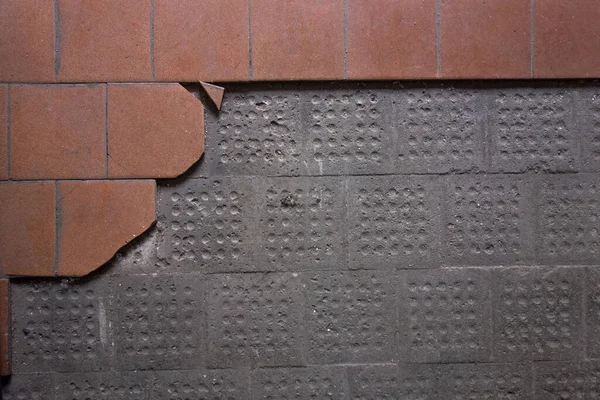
column 414, row 241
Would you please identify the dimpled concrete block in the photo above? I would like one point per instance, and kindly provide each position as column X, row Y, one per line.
column 350, row 317
column 592, row 311
column 588, row 120
column 28, row 387
column 348, row 132
column 299, row 383
column 103, row 386
column 224, row 384
column 301, row 223
column 567, row 380
column 256, row 133
column 438, row 130
column 533, row 130
column 568, row 212
column 206, row 224
column 60, row 326
column 537, row 313
column 444, row 315
column 157, row 322
column 486, row 381
column 394, row 221
column 255, row 320
column 488, row 220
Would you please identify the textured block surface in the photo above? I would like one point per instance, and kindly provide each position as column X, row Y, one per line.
column 537, row 313
column 299, row 383
column 255, row 320
column 158, row 323
column 104, row 386
column 488, row 220
column 349, row 317
column 592, row 312
column 205, row 224
column 26, row 387
column 201, row 384
column 564, row 380
column 60, row 326
column 444, row 315
column 394, row 222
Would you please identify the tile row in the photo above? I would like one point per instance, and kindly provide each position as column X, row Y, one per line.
column 229, row 40
column 526, row 381
column 191, row 321
column 328, row 130
column 369, row 222
column 98, row 131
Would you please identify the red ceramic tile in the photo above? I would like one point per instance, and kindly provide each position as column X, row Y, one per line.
column 27, row 40
column 105, row 40
column 3, row 132
column 201, row 40
column 391, row 39
column 297, row 39
column 154, row 130
column 566, row 43
column 57, row 131
column 5, row 367
column 485, row 39
column 98, row 218
column 27, row 228
column 214, row 92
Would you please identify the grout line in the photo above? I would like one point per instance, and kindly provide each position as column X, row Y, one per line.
column 152, row 39
column 56, row 40
column 106, row 126
column 438, row 7
column 531, row 34
column 58, row 225
column 250, row 68
column 345, row 39
column 8, row 128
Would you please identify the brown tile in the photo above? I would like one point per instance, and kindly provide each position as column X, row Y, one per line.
column 57, row 131
column 3, row 132
column 27, row 44
column 27, row 228
column 391, row 39
column 297, row 39
column 154, row 130
column 485, row 39
column 201, row 40
column 5, row 367
column 98, row 218
column 214, row 92
column 566, row 43
column 104, row 40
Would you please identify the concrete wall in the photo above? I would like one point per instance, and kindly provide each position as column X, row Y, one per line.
column 420, row 241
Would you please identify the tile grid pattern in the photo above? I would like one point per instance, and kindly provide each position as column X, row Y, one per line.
column 274, row 272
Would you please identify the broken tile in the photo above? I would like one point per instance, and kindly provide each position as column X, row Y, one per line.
column 154, row 130
column 57, row 131
column 214, row 92
column 27, row 228
column 97, row 218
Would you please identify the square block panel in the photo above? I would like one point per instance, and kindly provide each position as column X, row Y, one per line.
column 104, row 386
column 566, row 380
column 206, row 224
column 394, row 222
column 533, row 130
column 350, row 317
column 300, row 383
column 348, row 131
column 486, row 381
column 592, row 312
column 568, row 213
column 201, row 385
column 301, row 223
column 158, row 322
column 444, row 315
column 28, row 387
column 255, row 320
column 537, row 313
column 588, row 125
column 60, row 326
column 438, row 130
column 255, row 133
column 488, row 220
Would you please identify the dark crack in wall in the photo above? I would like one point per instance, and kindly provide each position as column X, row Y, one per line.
column 356, row 241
